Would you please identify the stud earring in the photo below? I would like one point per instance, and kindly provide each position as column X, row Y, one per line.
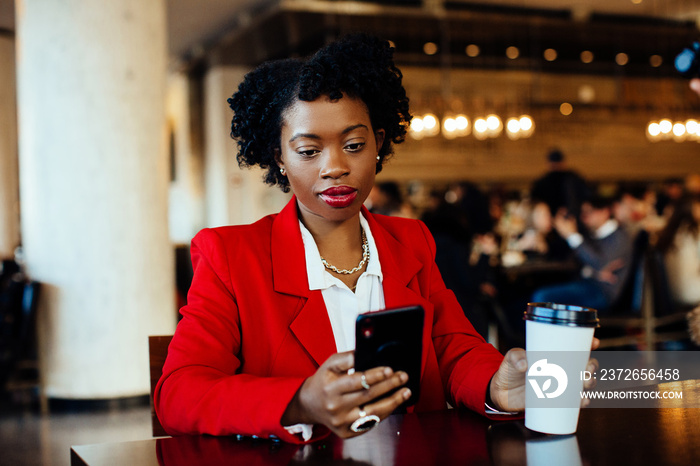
column 378, row 158
column 283, row 171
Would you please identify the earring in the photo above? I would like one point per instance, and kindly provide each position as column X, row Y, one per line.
column 378, row 158
column 283, row 171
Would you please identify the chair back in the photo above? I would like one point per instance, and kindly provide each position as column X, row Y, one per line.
column 663, row 300
column 157, row 352
column 630, row 299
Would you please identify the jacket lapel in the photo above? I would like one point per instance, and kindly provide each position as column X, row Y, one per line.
column 311, row 324
column 399, row 265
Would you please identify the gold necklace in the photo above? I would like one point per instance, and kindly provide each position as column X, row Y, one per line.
column 365, row 258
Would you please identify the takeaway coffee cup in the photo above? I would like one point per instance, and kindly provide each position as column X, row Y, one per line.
column 548, row 450
column 558, row 341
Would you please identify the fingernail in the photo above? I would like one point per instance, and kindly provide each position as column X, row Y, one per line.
column 404, row 377
column 388, row 371
column 522, row 365
column 407, row 394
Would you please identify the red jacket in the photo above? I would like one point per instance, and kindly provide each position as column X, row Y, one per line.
column 252, row 331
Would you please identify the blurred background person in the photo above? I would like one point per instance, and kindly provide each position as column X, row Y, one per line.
column 466, row 250
column 670, row 193
column 540, row 239
column 605, row 254
column 680, row 244
column 560, row 186
column 692, row 183
column 635, row 209
column 386, row 199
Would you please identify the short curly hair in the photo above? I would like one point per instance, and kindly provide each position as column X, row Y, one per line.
column 359, row 65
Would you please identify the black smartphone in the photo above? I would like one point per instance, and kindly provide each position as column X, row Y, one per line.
column 393, row 338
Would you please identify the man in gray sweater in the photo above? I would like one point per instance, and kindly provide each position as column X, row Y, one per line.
column 605, row 255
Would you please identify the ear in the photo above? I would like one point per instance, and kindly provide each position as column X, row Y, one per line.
column 278, row 158
column 379, row 137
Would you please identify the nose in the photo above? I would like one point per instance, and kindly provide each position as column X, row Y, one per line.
column 335, row 164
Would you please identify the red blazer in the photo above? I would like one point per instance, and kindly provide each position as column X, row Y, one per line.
column 252, row 331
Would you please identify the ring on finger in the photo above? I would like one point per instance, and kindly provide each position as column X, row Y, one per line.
column 363, row 382
column 364, row 422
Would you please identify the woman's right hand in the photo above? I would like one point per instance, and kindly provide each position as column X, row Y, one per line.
column 334, row 398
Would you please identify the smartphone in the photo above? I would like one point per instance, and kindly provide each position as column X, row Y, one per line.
column 393, row 338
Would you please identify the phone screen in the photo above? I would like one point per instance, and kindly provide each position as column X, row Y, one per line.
column 393, row 338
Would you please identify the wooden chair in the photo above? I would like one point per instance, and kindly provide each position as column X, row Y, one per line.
column 157, row 351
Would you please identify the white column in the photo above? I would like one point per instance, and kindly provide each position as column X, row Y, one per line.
column 187, row 189
column 233, row 195
column 94, row 189
column 9, row 186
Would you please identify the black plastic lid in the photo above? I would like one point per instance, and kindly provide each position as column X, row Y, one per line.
column 562, row 314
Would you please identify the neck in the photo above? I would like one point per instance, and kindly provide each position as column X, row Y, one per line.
column 340, row 243
column 325, row 231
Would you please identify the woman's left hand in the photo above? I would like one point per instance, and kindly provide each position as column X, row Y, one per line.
column 508, row 383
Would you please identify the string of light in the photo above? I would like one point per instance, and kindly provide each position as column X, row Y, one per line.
column 678, row 131
column 483, row 127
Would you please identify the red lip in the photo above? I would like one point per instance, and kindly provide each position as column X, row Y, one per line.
column 339, row 196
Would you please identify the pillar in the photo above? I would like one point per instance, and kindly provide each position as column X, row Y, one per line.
column 94, row 189
column 233, row 195
column 9, row 189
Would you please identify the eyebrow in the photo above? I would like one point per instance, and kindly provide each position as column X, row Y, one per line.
column 316, row 136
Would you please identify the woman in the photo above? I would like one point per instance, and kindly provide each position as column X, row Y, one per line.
column 680, row 243
column 265, row 343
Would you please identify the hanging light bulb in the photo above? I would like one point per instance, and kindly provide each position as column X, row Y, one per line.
column 463, row 128
column 653, row 131
column 417, row 128
column 527, row 126
column 679, row 132
column 449, row 127
column 666, row 126
column 513, row 128
column 480, row 128
column 494, row 125
column 431, row 124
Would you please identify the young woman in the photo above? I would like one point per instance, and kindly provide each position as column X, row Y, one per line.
column 265, row 343
column 679, row 241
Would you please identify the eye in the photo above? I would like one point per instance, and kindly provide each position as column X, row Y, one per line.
column 308, row 153
column 354, row 146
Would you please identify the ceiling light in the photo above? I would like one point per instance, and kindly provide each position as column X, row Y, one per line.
column 679, row 131
column 622, row 59
column 513, row 128
column 586, row 56
column 656, row 60
column 665, row 126
column 653, row 131
column 512, row 52
column 550, row 54
column 472, row 50
column 527, row 125
column 430, row 48
column 566, row 109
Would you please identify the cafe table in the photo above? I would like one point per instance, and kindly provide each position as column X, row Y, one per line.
column 667, row 434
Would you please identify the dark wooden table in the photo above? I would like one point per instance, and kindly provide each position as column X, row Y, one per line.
column 606, row 436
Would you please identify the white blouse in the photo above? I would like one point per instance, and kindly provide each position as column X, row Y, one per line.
column 342, row 304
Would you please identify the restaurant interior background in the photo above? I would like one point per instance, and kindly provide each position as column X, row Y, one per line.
column 114, row 146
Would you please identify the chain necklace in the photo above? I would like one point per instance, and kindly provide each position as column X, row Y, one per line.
column 365, row 258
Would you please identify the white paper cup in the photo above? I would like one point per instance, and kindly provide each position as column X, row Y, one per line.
column 551, row 328
column 548, row 450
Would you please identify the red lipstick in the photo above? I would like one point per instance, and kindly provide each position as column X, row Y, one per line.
column 339, row 196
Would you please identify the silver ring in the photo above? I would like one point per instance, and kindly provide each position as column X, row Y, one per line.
column 363, row 382
column 364, row 422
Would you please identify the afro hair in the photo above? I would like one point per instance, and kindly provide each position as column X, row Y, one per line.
column 359, row 66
